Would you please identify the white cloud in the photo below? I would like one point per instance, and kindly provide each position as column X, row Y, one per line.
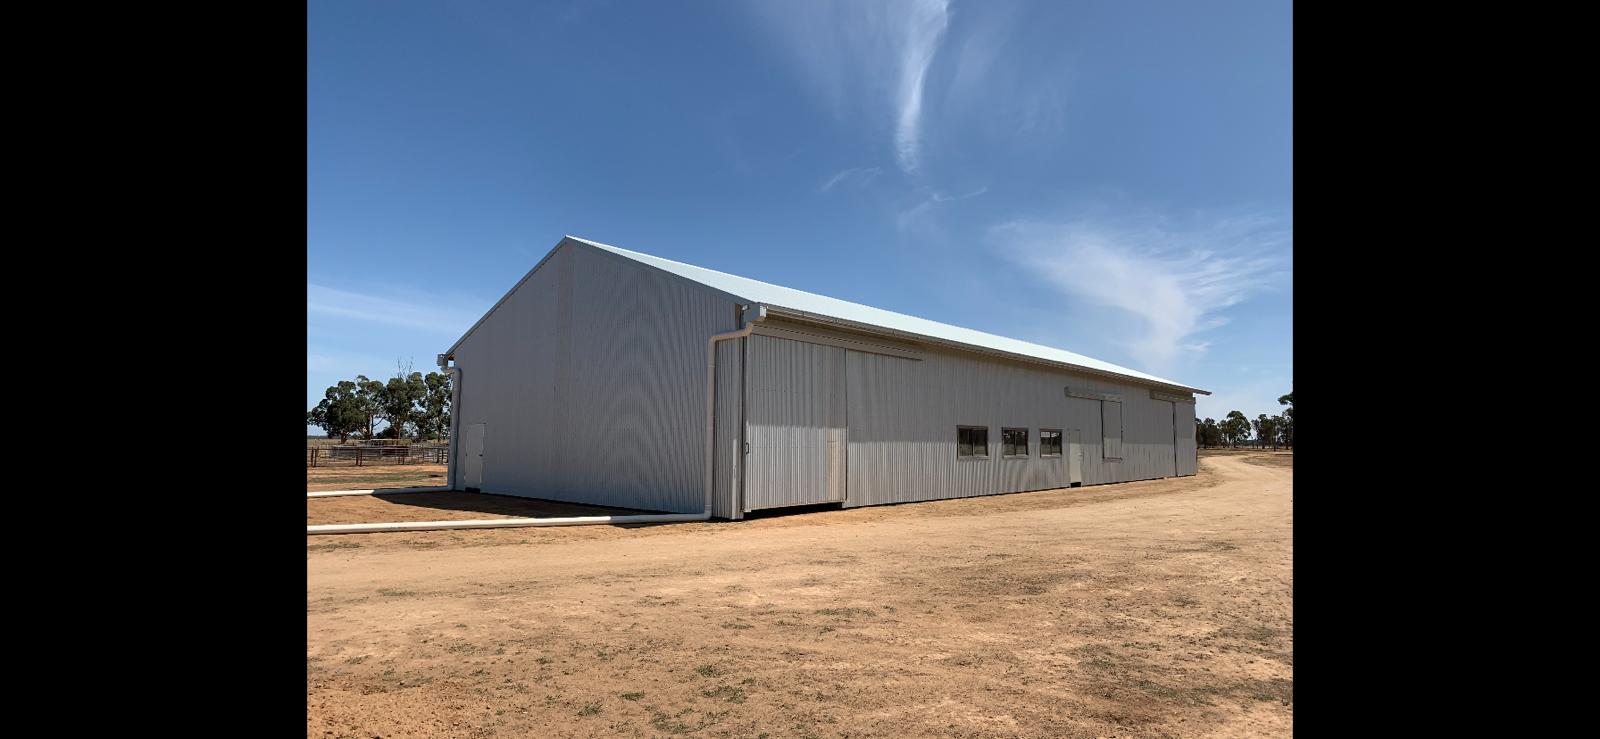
column 916, row 213
column 854, row 176
column 421, row 312
column 1175, row 281
column 874, row 54
column 926, row 25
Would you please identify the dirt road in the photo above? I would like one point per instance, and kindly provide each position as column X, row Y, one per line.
column 1150, row 609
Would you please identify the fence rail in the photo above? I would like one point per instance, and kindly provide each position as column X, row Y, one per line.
column 367, row 456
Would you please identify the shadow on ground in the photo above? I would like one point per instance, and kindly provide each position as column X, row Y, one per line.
column 501, row 505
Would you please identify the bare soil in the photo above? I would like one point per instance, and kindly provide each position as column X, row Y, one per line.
column 1150, row 609
column 379, row 476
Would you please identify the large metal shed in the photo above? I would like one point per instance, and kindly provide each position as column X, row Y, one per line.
column 616, row 378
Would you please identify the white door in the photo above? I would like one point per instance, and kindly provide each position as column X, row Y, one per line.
column 795, row 424
column 473, row 461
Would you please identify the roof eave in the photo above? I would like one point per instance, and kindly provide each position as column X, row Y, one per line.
column 867, row 328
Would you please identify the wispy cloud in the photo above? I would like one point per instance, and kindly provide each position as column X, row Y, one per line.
column 421, row 312
column 926, row 24
column 854, row 176
column 870, row 54
column 1175, row 280
column 916, row 213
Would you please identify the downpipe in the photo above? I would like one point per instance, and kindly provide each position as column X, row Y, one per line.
column 455, row 419
column 759, row 314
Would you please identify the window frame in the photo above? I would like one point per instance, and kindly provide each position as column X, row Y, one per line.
column 1061, row 445
column 1027, row 443
column 972, row 446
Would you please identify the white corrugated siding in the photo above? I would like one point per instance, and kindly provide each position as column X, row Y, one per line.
column 903, row 416
column 729, row 404
column 1184, row 430
column 590, row 378
column 796, row 423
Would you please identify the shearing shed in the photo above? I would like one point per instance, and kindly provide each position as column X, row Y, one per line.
column 610, row 377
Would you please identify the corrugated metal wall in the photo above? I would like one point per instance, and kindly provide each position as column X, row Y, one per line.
column 1183, row 424
column 796, row 423
column 903, row 416
column 1111, row 427
column 728, row 453
column 590, row 380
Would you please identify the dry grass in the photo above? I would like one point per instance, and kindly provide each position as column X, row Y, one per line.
column 385, row 476
column 1151, row 609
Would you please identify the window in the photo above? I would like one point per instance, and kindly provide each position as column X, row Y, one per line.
column 1111, row 422
column 972, row 442
column 1014, row 442
column 1049, row 442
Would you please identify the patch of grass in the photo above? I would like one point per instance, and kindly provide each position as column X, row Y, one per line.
column 708, row 670
column 544, row 660
column 632, row 696
column 735, row 625
column 589, row 709
column 1185, row 697
column 1276, row 689
column 395, row 592
column 846, row 612
column 669, row 724
column 330, row 546
column 731, row 694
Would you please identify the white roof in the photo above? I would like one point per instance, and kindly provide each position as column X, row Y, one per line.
column 777, row 296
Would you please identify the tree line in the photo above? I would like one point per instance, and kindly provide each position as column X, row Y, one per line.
column 410, row 404
column 1269, row 430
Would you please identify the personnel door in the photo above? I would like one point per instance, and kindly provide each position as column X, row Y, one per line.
column 795, row 415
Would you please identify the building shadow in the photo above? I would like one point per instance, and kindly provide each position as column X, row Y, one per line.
column 502, row 505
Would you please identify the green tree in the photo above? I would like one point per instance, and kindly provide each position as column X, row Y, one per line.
column 1288, row 419
column 1235, row 427
column 1266, row 430
column 402, row 396
column 369, row 402
column 433, row 415
column 340, row 412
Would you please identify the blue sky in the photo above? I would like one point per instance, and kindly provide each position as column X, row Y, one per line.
column 1110, row 178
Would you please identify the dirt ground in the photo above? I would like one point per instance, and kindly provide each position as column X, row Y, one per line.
column 1150, row 609
column 382, row 476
